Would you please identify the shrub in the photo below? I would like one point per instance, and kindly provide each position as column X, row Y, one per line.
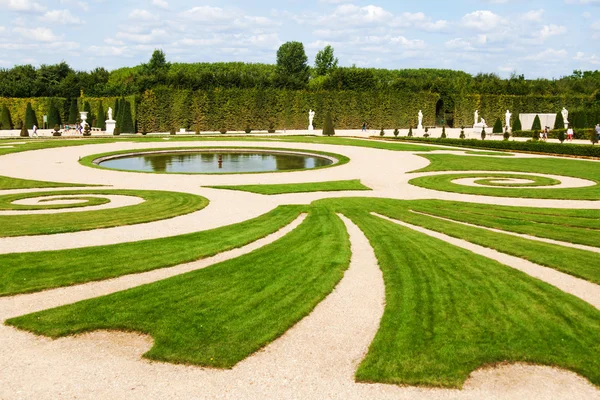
column 593, row 137
column 410, row 132
column 506, row 134
column 126, row 121
column 483, row 134
column 24, row 131
column 561, row 134
column 87, row 108
column 516, row 125
column 87, row 130
column 396, row 132
column 247, row 129
column 560, row 122
column 117, row 131
column 537, row 125
column 100, row 117
column 535, row 135
column 5, row 119
column 56, row 130
column 328, row 129
column 271, row 127
column 381, row 132
column 144, row 131
column 172, row 131
column 497, row 126
column 53, row 115
column 223, row 131
column 462, row 132
column 443, row 132
column 30, row 118
column 73, row 113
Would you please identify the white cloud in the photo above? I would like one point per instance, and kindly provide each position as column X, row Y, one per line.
column 550, row 30
column 61, row 17
column 549, row 56
column 142, row 15
column 160, row 4
column 37, row 34
column 22, row 5
column 154, row 36
column 533, row 15
column 482, row 20
column 81, row 4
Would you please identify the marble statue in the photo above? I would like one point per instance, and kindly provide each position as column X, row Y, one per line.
column 483, row 123
column 110, row 113
column 476, row 117
column 420, row 126
column 508, row 115
column 565, row 115
column 311, row 116
column 110, row 122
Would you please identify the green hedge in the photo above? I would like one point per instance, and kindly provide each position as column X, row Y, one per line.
column 530, row 146
column 553, row 134
column 160, row 110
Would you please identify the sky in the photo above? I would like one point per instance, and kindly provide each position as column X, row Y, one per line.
column 547, row 39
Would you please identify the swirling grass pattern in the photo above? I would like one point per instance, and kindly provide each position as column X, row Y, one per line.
column 157, row 205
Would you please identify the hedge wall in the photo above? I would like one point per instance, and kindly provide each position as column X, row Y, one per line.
column 106, row 102
column 492, row 107
column 162, row 109
column 41, row 106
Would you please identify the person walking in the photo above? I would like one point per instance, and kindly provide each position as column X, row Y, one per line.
column 34, row 131
column 598, row 131
column 570, row 133
column 364, row 127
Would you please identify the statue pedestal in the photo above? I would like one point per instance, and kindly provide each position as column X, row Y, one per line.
column 420, row 127
column 567, row 125
column 110, row 126
column 311, row 128
column 477, row 128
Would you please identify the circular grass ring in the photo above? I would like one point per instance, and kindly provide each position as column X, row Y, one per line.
column 7, row 202
column 528, row 181
column 156, row 205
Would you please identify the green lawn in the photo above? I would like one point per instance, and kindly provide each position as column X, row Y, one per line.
column 32, row 272
column 331, row 186
column 489, row 153
column 157, row 205
column 555, row 166
column 219, row 315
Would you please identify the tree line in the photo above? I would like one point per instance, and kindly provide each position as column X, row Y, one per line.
column 291, row 71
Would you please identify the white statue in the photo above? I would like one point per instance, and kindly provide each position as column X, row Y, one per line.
column 476, row 117
column 483, row 123
column 420, row 126
column 508, row 115
column 110, row 113
column 565, row 115
column 311, row 116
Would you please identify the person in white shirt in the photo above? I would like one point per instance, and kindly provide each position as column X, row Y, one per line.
column 570, row 134
column 34, row 130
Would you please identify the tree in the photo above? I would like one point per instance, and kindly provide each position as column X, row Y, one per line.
column 537, row 125
column 561, row 135
column 117, row 113
column 126, row 124
column 444, row 132
column 292, row 69
column 516, row 125
column 325, row 61
column 5, row 119
column 73, row 112
column 560, row 122
column 53, row 115
column 24, row 131
column 100, row 117
column 483, row 134
column 30, row 117
column 497, row 126
column 328, row 129
column 158, row 62
column 88, row 109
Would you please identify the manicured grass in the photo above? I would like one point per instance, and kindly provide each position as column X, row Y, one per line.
column 449, row 311
column 157, row 205
column 331, row 186
column 32, row 272
column 86, row 200
column 219, row 315
column 370, row 143
column 555, row 166
column 489, row 153
column 503, row 180
column 7, row 183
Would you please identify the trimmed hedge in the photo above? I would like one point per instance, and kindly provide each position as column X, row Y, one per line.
column 554, row 133
column 583, row 150
column 5, row 119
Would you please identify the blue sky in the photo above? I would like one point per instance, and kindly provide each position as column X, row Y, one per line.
column 531, row 37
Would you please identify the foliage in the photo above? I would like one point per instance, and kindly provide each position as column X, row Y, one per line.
column 126, row 122
column 497, row 126
column 506, row 135
column 396, row 132
column 593, row 137
column 328, row 129
column 483, row 134
column 30, row 117
column 443, row 132
column 516, row 125
column 462, row 132
column 535, row 135
column 382, row 132
column 56, row 130
column 561, row 135
column 537, row 125
column 100, row 117
column 559, row 123
column 24, row 131
column 73, row 112
column 410, row 132
column 117, row 131
column 247, row 129
column 325, row 61
column 53, row 115
column 5, row 119
column 292, row 66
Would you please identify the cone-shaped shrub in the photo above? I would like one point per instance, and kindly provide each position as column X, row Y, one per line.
column 100, row 117
column 560, row 122
column 497, row 126
column 483, row 134
column 410, row 132
column 381, row 132
column 5, row 119
column 30, row 118
column 396, row 132
column 24, row 131
column 126, row 119
column 537, row 125
column 516, row 125
column 328, row 129
column 462, row 132
column 561, row 134
column 443, row 132
column 73, row 112
column 86, row 107
column 53, row 115
column 116, row 111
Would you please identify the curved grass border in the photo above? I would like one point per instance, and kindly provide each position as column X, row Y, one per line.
column 6, row 201
column 308, row 187
column 89, row 161
column 158, row 205
column 500, row 180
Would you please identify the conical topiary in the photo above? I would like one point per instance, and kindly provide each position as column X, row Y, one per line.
column 443, row 132
column 90, row 116
column 328, row 129
column 537, row 125
column 497, row 126
column 516, row 125
column 5, row 119
column 560, row 122
column 126, row 119
column 100, row 117
column 73, row 112
column 483, row 134
column 24, row 131
column 53, row 115
column 410, row 132
column 30, row 117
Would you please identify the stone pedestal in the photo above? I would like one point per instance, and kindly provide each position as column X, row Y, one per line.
column 110, row 126
column 567, row 125
column 477, row 128
column 420, row 127
column 311, row 128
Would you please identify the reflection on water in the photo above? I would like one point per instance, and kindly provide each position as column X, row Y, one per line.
column 212, row 162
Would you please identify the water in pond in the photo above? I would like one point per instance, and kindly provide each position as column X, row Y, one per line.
column 213, row 162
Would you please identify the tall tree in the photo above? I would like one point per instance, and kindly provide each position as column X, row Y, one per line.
column 292, row 66
column 30, row 117
column 325, row 61
column 100, row 117
column 73, row 112
column 53, row 116
column 5, row 119
column 126, row 121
